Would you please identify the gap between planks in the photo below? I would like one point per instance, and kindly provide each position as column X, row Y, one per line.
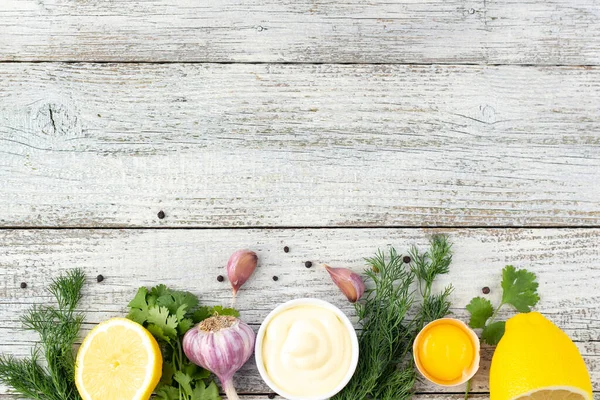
column 292, row 227
column 303, row 63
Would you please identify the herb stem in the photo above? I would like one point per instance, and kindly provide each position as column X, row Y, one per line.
column 494, row 315
column 468, row 389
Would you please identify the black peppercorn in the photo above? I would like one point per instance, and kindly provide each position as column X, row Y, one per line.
column 161, row 214
column 23, row 285
column 275, row 278
column 220, row 278
column 99, row 278
column 308, row 264
column 271, row 395
column 406, row 259
column 486, row 290
column 286, row 249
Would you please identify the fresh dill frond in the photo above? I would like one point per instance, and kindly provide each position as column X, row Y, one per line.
column 427, row 267
column 67, row 289
column 26, row 377
column 385, row 371
column 436, row 306
column 398, row 384
column 435, row 261
column 58, row 329
column 381, row 316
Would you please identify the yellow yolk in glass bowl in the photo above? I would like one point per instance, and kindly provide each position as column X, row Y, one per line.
column 447, row 352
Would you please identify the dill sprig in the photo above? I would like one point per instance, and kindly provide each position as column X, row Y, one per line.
column 385, row 371
column 58, row 328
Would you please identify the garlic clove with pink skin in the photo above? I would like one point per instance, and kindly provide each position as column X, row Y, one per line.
column 240, row 267
column 350, row 283
column 221, row 344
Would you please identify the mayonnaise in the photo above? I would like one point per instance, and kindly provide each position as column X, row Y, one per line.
column 307, row 350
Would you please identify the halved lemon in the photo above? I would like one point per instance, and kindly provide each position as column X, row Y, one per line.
column 535, row 360
column 118, row 360
column 558, row 393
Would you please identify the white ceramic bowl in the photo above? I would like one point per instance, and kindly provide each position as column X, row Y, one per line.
column 298, row 302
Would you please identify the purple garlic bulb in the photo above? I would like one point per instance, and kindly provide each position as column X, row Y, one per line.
column 220, row 344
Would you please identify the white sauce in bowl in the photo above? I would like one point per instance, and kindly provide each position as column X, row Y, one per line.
column 307, row 350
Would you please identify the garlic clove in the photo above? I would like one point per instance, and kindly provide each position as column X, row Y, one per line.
column 240, row 267
column 350, row 283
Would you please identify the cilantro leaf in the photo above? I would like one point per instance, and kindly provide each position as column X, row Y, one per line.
column 519, row 288
column 195, row 372
column 137, row 315
column 219, row 310
column 205, row 312
column 184, row 382
column 167, row 393
column 481, row 310
column 180, row 312
column 167, row 374
column 159, row 290
column 209, row 392
column 158, row 333
column 184, row 325
column 173, row 300
column 186, row 298
column 139, row 301
column 201, row 314
column 160, row 317
column 168, row 315
column 493, row 332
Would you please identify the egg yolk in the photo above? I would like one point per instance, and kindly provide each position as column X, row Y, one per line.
column 446, row 352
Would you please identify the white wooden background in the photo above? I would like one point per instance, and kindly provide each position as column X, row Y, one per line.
column 334, row 127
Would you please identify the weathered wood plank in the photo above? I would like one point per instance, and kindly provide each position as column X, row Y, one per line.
column 408, row 31
column 298, row 145
column 440, row 396
column 564, row 259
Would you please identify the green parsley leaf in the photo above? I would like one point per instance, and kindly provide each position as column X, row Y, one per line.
column 139, row 301
column 159, row 290
column 137, row 315
column 158, row 333
column 481, row 310
column 184, row 382
column 186, row 298
column 202, row 313
column 184, row 325
column 167, row 374
column 160, row 317
column 180, row 312
column 175, row 299
column 195, row 372
column 209, row 392
column 205, row 312
column 219, row 310
column 519, row 288
column 493, row 332
column 168, row 315
column 167, row 393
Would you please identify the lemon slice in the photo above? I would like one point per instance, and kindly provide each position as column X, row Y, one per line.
column 557, row 393
column 118, row 360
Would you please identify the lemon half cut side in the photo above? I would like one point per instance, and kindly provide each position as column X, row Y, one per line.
column 556, row 393
column 536, row 360
column 118, row 360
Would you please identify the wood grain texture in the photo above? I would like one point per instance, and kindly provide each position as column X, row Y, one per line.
column 298, row 145
column 440, row 396
column 565, row 260
column 546, row 32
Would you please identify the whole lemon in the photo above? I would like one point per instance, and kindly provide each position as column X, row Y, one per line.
column 536, row 360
